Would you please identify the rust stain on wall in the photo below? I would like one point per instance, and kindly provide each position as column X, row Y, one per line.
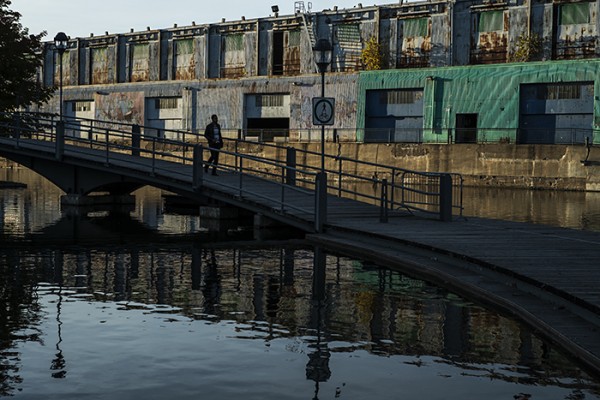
column 291, row 61
column 121, row 107
column 491, row 48
column 416, row 53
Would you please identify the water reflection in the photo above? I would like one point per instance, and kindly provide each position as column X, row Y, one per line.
column 324, row 306
column 149, row 304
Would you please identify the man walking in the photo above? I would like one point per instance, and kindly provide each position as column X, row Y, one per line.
column 212, row 133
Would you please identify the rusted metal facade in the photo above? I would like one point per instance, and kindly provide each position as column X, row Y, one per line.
column 412, row 35
column 223, row 67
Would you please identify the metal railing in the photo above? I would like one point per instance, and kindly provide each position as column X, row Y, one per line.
column 393, row 188
column 568, row 136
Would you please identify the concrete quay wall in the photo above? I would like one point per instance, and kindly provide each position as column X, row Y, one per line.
column 554, row 167
column 557, row 167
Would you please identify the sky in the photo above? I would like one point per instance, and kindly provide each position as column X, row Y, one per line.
column 79, row 18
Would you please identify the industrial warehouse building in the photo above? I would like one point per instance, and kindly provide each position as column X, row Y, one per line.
column 474, row 71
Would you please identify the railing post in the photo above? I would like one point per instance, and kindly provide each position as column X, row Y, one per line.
column 60, row 140
column 153, row 155
column 320, row 201
column 446, row 197
column 290, row 162
column 340, row 175
column 198, row 169
column 17, row 125
column 383, row 210
column 107, row 146
column 136, row 140
column 241, row 178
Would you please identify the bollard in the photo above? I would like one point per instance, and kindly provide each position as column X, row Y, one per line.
column 446, row 197
column 320, row 202
column 60, row 140
column 198, row 169
column 136, row 140
column 290, row 162
column 383, row 210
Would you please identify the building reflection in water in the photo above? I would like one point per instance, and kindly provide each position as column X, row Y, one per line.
column 290, row 292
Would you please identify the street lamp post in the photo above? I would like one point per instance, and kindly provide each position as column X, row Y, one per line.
column 323, row 53
column 60, row 43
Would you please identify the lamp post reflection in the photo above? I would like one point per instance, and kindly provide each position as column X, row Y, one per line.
column 317, row 368
column 58, row 364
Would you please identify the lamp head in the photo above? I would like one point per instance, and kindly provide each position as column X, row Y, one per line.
column 61, row 42
column 323, row 53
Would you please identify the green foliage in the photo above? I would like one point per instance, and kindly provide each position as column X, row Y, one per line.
column 528, row 48
column 372, row 55
column 20, row 59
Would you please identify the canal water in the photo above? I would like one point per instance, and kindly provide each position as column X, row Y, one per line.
column 153, row 304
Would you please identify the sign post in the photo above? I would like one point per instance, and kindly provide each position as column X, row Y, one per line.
column 323, row 114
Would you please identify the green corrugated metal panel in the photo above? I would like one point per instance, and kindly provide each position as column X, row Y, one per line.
column 491, row 91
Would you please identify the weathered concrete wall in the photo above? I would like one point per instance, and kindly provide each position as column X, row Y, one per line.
column 556, row 167
column 544, row 167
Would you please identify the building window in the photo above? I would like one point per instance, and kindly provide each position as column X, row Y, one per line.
column 416, row 27
column 269, row 100
column 348, row 33
column 401, row 96
column 66, row 64
column 100, row 65
column 559, row 91
column 165, row 103
column 140, row 58
column 81, row 106
column 347, row 38
column 184, row 59
column 234, row 42
column 233, row 56
column 574, row 14
column 491, row 21
column 294, row 38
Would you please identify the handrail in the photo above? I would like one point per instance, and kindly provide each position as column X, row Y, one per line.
column 421, row 193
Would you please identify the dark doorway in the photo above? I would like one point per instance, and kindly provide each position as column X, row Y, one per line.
column 278, row 53
column 466, row 128
column 267, row 129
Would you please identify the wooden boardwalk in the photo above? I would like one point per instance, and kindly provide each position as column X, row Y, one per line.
column 546, row 276
column 549, row 277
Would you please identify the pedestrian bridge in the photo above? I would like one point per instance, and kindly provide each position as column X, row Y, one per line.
column 89, row 158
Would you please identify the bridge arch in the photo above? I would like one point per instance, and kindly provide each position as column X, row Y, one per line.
column 79, row 180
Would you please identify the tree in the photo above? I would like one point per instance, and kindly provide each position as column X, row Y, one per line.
column 528, row 48
column 372, row 56
column 20, row 58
